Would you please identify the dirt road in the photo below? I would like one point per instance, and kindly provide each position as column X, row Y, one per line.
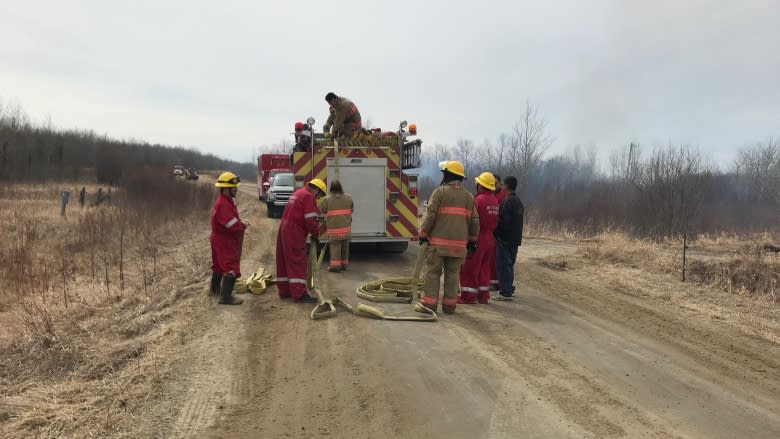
column 566, row 360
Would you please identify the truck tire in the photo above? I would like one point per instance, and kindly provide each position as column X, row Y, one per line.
column 270, row 211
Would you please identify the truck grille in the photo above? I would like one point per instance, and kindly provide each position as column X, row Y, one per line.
column 282, row 197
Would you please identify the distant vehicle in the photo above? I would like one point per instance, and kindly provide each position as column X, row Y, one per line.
column 178, row 171
column 190, row 174
column 269, row 165
column 279, row 191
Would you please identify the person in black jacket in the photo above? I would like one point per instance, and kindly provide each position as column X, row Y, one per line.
column 509, row 236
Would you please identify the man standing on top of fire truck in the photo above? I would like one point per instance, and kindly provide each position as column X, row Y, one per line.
column 337, row 208
column 475, row 273
column 227, row 230
column 346, row 117
column 450, row 227
column 329, row 122
column 301, row 217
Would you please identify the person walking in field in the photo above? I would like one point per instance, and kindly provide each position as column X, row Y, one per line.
column 337, row 208
column 300, row 218
column 227, row 231
column 509, row 236
column 476, row 271
column 346, row 117
column 450, row 227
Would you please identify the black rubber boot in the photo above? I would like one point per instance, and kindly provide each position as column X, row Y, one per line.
column 228, row 282
column 448, row 309
column 216, row 279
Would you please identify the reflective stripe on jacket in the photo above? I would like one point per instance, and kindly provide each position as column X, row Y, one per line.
column 337, row 209
column 450, row 220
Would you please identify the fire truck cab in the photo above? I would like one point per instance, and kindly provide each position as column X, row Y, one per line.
column 371, row 167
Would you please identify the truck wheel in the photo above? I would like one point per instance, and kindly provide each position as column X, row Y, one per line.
column 394, row 247
column 270, row 211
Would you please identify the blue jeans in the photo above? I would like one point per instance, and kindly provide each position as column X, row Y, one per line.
column 506, row 254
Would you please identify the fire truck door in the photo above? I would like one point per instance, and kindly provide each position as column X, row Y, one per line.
column 366, row 180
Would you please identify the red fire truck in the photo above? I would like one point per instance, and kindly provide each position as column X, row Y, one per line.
column 372, row 168
column 269, row 165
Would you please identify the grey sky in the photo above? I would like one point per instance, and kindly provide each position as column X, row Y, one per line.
column 229, row 76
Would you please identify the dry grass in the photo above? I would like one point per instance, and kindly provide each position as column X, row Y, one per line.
column 732, row 264
column 729, row 278
column 86, row 304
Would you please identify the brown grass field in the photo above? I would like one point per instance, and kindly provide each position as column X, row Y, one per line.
column 97, row 306
column 92, row 305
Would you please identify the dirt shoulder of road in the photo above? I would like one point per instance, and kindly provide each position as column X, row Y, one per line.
column 734, row 338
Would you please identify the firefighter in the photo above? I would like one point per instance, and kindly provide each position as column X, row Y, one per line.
column 499, row 193
column 227, row 231
column 450, row 227
column 301, row 217
column 346, row 117
column 329, row 122
column 476, row 271
column 337, row 208
column 302, row 141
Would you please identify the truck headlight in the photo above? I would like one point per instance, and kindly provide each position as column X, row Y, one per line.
column 271, row 196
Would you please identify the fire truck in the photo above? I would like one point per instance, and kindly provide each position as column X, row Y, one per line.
column 269, row 165
column 372, row 167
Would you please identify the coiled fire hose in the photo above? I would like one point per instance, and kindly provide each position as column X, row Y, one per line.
column 399, row 290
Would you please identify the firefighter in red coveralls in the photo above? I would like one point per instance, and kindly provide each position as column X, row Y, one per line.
column 476, row 271
column 500, row 193
column 301, row 217
column 227, row 230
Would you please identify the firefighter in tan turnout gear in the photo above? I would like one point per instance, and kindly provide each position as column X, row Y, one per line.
column 450, row 228
column 337, row 208
column 346, row 117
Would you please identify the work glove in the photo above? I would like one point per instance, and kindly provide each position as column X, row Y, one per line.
column 422, row 240
column 246, row 223
column 472, row 247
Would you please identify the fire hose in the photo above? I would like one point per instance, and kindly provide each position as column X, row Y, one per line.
column 399, row 290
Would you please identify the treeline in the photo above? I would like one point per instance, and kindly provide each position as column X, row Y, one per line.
column 29, row 152
column 654, row 192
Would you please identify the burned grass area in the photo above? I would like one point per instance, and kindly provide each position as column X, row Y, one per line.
column 87, row 300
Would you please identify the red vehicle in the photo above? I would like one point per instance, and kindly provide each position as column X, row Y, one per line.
column 269, row 165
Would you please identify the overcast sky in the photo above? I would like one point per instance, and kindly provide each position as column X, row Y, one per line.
column 227, row 76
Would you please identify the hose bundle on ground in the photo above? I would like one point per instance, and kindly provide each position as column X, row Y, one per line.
column 256, row 283
column 399, row 290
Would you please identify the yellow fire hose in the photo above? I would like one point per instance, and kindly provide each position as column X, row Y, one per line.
column 326, row 309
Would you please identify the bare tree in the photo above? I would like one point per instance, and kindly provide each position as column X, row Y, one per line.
column 758, row 171
column 672, row 185
column 529, row 142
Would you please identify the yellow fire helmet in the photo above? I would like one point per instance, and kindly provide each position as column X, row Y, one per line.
column 227, row 179
column 486, row 180
column 319, row 184
column 453, row 167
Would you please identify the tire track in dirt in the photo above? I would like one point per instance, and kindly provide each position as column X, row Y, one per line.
column 720, row 352
column 577, row 395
